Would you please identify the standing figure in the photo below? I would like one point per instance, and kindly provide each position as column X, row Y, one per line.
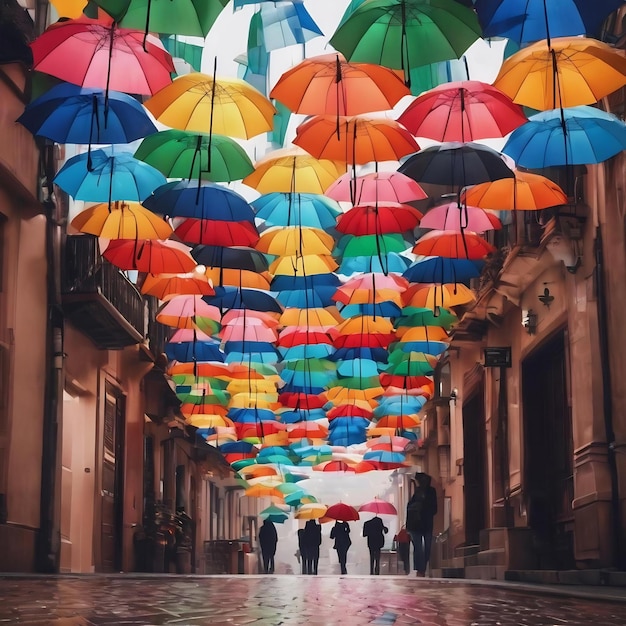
column 302, row 553
column 268, row 538
column 340, row 532
column 403, row 545
column 375, row 531
column 420, row 511
column 312, row 537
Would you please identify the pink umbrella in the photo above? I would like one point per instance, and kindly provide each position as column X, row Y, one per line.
column 234, row 315
column 188, row 334
column 380, row 507
column 454, row 217
column 375, row 187
column 248, row 333
column 180, row 311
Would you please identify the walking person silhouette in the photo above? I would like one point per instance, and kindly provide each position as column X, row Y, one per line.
column 340, row 532
column 268, row 538
column 420, row 511
column 375, row 531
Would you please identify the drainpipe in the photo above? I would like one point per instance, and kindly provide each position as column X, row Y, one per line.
column 48, row 546
column 619, row 559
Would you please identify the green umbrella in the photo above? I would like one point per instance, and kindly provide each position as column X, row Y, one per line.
column 413, row 316
column 372, row 245
column 357, row 382
column 183, row 17
column 402, row 34
column 184, row 154
column 409, row 364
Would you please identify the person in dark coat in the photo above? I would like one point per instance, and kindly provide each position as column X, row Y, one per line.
column 312, row 538
column 340, row 532
column 268, row 538
column 302, row 552
column 375, row 531
column 420, row 511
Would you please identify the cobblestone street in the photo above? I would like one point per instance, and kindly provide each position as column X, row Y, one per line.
column 296, row 600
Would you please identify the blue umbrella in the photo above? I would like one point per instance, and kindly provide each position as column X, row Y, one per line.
column 349, row 423
column 297, row 209
column 291, row 283
column 391, row 263
column 379, row 355
column 251, row 415
column 378, row 309
column 428, row 346
column 384, row 456
column 533, row 20
column 234, row 298
column 307, row 298
column 236, row 446
column 570, row 136
column 442, row 270
column 187, row 351
column 199, row 200
column 281, row 25
column 358, row 367
column 100, row 176
column 306, row 351
column 292, row 416
column 69, row 113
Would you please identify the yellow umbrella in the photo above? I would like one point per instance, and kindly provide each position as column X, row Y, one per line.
column 260, row 385
column 344, row 395
column 69, row 8
column 294, row 171
column 422, row 333
column 254, row 400
column 295, row 240
column 310, row 317
column 364, row 295
column 209, row 420
column 312, row 510
column 163, row 286
column 365, row 324
column 435, row 295
column 122, row 220
column 307, row 265
column 568, row 72
column 225, row 106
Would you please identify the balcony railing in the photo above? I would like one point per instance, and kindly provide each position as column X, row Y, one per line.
column 98, row 299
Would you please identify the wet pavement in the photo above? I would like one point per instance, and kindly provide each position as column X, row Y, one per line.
column 295, row 600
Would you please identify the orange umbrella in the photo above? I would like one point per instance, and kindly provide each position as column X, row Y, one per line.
column 150, row 256
column 257, row 471
column 453, row 245
column 122, row 220
column 432, row 295
column 260, row 491
column 164, row 285
column 306, row 318
column 212, row 420
column 422, row 333
column 226, row 276
column 333, row 466
column 399, row 422
column 524, row 192
column 307, row 265
column 328, row 84
column 355, row 140
column 368, row 324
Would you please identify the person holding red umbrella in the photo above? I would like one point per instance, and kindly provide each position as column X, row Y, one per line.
column 375, row 531
column 340, row 532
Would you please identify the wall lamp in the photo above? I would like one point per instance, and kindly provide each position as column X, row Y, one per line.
column 454, row 394
column 546, row 298
column 529, row 321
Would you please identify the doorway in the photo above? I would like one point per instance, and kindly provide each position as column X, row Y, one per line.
column 548, row 454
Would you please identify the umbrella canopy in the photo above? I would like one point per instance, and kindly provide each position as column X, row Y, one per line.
column 375, row 187
column 68, row 113
column 190, row 198
column 574, row 136
column 456, row 164
column 100, row 54
column 330, row 85
column 439, row 269
column 293, row 171
column 355, row 140
column 234, row 257
column 342, row 512
column 226, row 106
column 451, row 244
column 180, row 311
column 541, row 19
column 569, row 72
column 150, row 256
column 122, row 220
column 164, row 285
column 295, row 240
column 385, row 219
column 524, row 192
column 380, row 507
column 467, row 110
column 311, row 510
column 102, row 176
column 217, row 232
column 296, row 209
column 184, row 17
column 182, row 154
column 403, row 34
column 433, row 295
column 457, row 217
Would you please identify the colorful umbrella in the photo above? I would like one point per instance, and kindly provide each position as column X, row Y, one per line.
column 295, row 240
column 101, row 176
column 182, row 154
column 329, row 85
column 355, row 140
column 374, row 188
column 453, row 216
column 235, row 257
column 164, row 285
column 312, row 510
column 541, row 19
column 524, row 192
column 435, row 295
column 385, row 219
column 451, row 244
column 342, row 512
column 281, row 25
column 150, row 256
column 569, row 72
column 183, row 17
column 100, row 54
column 402, row 34
column 68, row 113
column 293, row 171
column 180, row 311
column 233, row 298
column 122, row 220
column 380, row 507
column 226, row 106
column 456, row 164
column 575, row 136
column 466, row 110
column 296, row 209
column 440, row 269
column 217, row 232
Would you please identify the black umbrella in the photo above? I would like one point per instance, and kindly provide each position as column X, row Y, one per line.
column 456, row 164
column 233, row 257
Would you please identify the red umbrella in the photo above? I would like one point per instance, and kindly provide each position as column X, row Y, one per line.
column 150, row 256
column 333, row 466
column 349, row 410
column 380, row 507
column 466, row 110
column 453, row 245
column 217, row 232
column 342, row 512
column 97, row 53
column 378, row 220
